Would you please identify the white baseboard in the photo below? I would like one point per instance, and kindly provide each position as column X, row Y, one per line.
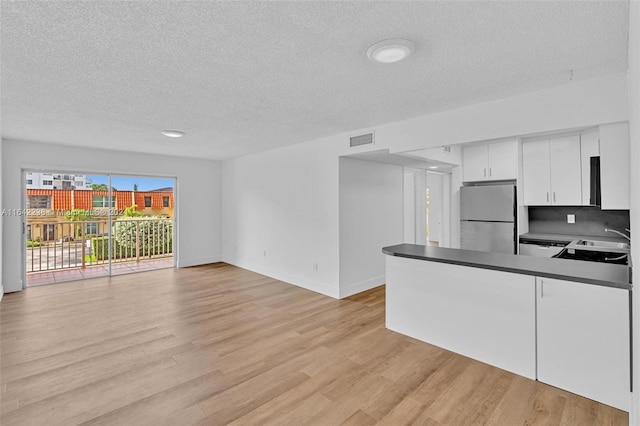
column 184, row 263
column 361, row 286
column 305, row 283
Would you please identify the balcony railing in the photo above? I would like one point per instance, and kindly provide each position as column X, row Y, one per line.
column 55, row 245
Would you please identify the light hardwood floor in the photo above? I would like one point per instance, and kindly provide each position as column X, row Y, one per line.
column 217, row 345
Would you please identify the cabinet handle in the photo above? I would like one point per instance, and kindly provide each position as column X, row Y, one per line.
column 489, row 171
column 541, row 289
column 485, row 172
column 554, row 196
column 547, row 197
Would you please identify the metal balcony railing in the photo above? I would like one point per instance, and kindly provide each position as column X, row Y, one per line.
column 56, row 245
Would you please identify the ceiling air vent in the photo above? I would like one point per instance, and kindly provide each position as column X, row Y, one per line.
column 365, row 139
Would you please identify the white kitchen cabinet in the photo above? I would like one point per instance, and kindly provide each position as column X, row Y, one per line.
column 552, row 171
column 583, row 340
column 475, row 161
column 615, row 166
column 490, row 161
column 536, row 172
column 480, row 313
column 566, row 171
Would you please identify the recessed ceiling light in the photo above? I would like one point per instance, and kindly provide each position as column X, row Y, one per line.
column 392, row 50
column 433, row 167
column 173, row 133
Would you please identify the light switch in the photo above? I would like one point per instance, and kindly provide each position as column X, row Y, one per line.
column 571, row 218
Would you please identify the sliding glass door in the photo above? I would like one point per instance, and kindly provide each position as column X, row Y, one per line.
column 81, row 226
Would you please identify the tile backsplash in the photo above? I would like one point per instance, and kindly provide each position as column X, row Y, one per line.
column 589, row 220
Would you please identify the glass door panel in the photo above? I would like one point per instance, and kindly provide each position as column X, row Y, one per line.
column 142, row 225
column 58, row 228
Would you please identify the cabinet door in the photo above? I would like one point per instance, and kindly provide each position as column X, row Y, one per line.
column 566, row 171
column 583, row 340
column 536, row 173
column 503, row 160
column 615, row 166
column 475, row 162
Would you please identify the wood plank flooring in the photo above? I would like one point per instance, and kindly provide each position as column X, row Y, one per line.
column 217, row 345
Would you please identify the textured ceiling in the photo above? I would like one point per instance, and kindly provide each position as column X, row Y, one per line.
column 241, row 77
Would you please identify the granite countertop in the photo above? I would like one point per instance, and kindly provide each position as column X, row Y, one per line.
column 608, row 275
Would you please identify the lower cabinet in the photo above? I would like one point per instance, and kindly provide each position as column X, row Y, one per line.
column 570, row 335
column 480, row 313
column 583, row 340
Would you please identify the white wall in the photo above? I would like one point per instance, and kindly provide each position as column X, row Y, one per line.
column 198, row 195
column 371, row 216
column 451, row 156
column 284, row 203
column 576, row 104
column 634, row 132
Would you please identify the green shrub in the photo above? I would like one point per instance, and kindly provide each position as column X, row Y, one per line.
column 155, row 233
column 100, row 246
column 156, row 237
column 31, row 243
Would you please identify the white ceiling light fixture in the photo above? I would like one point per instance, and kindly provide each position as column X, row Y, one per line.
column 433, row 167
column 173, row 133
column 390, row 51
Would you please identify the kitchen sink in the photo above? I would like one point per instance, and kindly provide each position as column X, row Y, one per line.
column 602, row 244
column 595, row 256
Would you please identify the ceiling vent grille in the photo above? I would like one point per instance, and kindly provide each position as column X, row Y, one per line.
column 365, row 139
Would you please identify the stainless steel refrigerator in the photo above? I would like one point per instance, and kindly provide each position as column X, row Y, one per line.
column 488, row 218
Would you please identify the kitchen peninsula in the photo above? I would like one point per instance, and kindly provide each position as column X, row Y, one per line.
column 562, row 322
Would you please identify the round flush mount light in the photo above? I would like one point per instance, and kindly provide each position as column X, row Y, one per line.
column 392, row 50
column 173, row 133
column 433, row 167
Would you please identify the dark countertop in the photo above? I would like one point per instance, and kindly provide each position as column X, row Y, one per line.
column 608, row 275
column 569, row 238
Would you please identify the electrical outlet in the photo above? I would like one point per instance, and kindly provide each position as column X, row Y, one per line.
column 265, row 253
column 571, row 218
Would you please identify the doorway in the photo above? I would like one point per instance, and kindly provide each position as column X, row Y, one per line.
column 80, row 226
column 434, row 208
column 426, row 207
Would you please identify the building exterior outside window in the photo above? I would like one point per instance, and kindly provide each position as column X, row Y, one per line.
column 38, row 202
column 92, row 229
column 103, row 201
column 37, row 180
column 47, row 207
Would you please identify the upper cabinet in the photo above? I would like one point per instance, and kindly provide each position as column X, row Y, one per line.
column 557, row 170
column 490, row 161
column 552, row 171
column 615, row 166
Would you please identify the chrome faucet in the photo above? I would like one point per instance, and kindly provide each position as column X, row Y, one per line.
column 619, row 233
